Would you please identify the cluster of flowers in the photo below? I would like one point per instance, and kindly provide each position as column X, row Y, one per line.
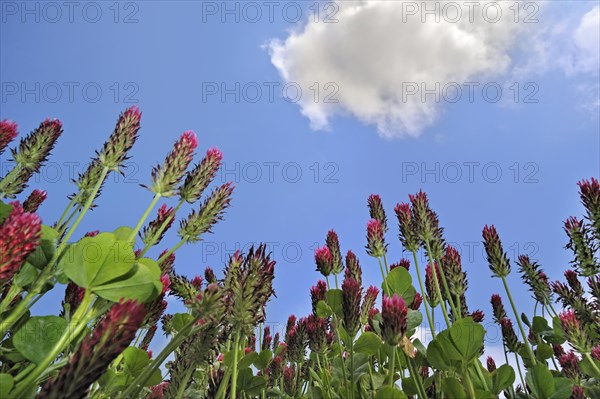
column 355, row 343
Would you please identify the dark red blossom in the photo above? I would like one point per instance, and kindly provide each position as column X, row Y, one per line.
column 8, row 131
column 200, row 176
column 20, row 234
column 376, row 210
column 393, row 319
column 497, row 258
column 35, row 199
column 376, row 246
column 324, row 260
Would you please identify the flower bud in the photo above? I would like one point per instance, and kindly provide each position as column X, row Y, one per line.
column 406, row 224
column 491, row 364
column 150, row 234
column 317, row 293
column 404, row 263
column 200, row 177
column 351, row 296
column 166, row 176
column 333, row 243
column 353, row 269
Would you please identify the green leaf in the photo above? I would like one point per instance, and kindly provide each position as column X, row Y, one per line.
column 5, row 210
column 367, row 343
column 453, row 388
column 540, row 325
column 563, row 387
column 44, row 252
column 123, row 233
column 467, row 337
column 249, row 384
column 399, row 282
column 27, row 275
column 334, row 300
column 179, row 320
column 543, row 351
column 135, row 360
column 37, row 337
column 437, row 357
column 413, row 319
column 388, row 392
column 95, row 261
column 323, row 310
column 539, row 380
column 263, row 359
column 142, row 283
column 247, row 360
column 6, row 384
column 409, row 387
column 502, row 378
column 588, row 368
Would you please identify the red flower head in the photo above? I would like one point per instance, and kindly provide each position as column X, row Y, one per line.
column 209, row 275
column 351, row 296
column 491, row 364
column 589, row 191
column 376, row 210
column 20, row 234
column 155, row 232
column 353, row 269
column 430, row 287
column 333, row 243
column 406, row 224
column 165, row 177
column 317, row 293
column 393, row 319
column 35, row 199
column 574, row 331
column 569, row 362
column 404, row 263
column 497, row 258
column 197, row 282
column 8, row 131
column 166, row 283
column 200, row 177
column 477, row 316
column 510, row 338
column 115, row 150
column 368, row 303
column 417, row 301
column 324, row 260
column 376, row 246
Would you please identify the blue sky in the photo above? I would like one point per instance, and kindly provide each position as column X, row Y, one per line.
column 511, row 163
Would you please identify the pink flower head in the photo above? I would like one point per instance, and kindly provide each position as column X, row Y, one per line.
column 351, row 296
column 197, row 282
column 8, row 131
column 417, row 301
column 189, row 139
column 133, row 113
column 376, row 246
column 317, row 293
column 497, row 258
column 491, row 364
column 35, row 199
column 406, row 224
column 166, row 283
column 324, row 260
column 376, row 210
column 393, row 319
column 404, row 263
column 20, row 234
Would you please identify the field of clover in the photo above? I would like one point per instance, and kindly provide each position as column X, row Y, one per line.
column 358, row 342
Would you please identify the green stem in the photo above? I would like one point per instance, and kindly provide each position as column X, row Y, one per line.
column 140, row 222
column 170, row 251
column 470, row 387
column 81, row 318
column 592, row 362
column 387, row 288
column 416, row 378
column 86, row 207
column 184, row 382
column 235, row 362
column 512, row 304
column 433, row 263
column 62, row 228
column 392, row 365
column 424, row 295
column 66, row 211
column 9, row 177
column 519, row 369
column 352, row 367
column 387, row 267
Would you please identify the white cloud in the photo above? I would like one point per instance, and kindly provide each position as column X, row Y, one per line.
column 378, row 48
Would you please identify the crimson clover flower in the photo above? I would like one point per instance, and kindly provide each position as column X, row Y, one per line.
column 149, row 232
column 166, row 176
column 8, row 131
column 404, row 263
column 368, row 303
column 393, row 319
column 536, row 279
column 497, row 258
column 324, row 260
column 406, row 225
column 575, row 332
column 353, row 269
column 510, row 337
column 20, row 234
column 333, row 243
column 589, row 192
column 376, row 246
column 498, row 308
column 351, row 296
column 35, row 199
column 200, row 176
column 110, row 337
column 317, row 293
column 376, row 210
